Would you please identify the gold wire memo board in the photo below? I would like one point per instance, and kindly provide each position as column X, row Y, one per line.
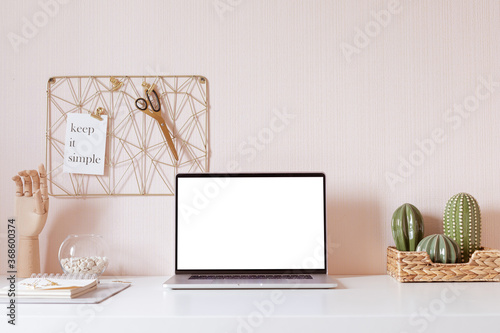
column 138, row 160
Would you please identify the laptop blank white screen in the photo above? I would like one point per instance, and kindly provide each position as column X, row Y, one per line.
column 250, row 223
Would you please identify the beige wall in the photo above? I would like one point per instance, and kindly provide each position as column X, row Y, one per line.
column 361, row 103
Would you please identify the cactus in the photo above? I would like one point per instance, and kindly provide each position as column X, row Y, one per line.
column 462, row 223
column 407, row 227
column 440, row 248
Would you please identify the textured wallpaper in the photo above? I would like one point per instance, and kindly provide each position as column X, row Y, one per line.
column 396, row 101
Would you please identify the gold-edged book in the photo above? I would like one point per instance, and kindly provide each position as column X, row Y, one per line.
column 51, row 286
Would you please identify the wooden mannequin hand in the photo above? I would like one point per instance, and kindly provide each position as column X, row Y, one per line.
column 32, row 202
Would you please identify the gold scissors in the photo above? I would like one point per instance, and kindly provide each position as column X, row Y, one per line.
column 152, row 107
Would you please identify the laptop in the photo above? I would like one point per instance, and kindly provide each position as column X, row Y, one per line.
column 249, row 231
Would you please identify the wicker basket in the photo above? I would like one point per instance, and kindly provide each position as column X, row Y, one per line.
column 409, row 266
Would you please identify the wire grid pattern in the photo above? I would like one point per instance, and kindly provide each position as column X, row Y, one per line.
column 138, row 160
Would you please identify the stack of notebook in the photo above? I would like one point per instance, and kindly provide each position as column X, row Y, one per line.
column 53, row 286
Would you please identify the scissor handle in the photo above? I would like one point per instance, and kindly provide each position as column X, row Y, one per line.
column 156, row 107
column 141, row 104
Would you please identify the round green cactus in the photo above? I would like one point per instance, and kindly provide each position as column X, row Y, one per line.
column 407, row 227
column 462, row 223
column 441, row 249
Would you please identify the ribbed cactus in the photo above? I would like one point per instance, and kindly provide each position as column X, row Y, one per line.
column 462, row 223
column 407, row 227
column 440, row 248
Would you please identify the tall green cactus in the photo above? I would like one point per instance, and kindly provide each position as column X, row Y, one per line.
column 462, row 223
column 407, row 227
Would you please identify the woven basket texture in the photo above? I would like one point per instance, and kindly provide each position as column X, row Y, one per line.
column 412, row 266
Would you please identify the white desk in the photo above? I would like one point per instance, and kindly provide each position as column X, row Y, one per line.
column 359, row 304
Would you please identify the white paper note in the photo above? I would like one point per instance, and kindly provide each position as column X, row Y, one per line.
column 85, row 144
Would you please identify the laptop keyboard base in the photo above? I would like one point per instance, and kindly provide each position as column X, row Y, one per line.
column 252, row 276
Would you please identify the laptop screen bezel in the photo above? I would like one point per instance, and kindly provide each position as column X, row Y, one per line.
column 251, row 271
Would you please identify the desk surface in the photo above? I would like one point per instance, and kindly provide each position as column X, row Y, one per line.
column 359, row 304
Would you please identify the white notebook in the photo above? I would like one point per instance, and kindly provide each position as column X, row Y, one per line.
column 53, row 286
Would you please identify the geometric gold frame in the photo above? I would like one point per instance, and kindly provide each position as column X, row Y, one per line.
column 138, row 160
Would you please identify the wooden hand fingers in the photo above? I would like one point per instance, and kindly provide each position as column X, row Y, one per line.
column 35, row 184
column 19, row 185
column 36, row 180
column 27, row 183
column 43, row 182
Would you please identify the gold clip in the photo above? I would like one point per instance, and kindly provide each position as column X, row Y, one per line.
column 97, row 114
column 117, row 84
column 148, row 87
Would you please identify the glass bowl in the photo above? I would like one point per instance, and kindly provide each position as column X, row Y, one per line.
column 85, row 254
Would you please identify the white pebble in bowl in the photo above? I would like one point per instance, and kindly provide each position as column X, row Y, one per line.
column 94, row 265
